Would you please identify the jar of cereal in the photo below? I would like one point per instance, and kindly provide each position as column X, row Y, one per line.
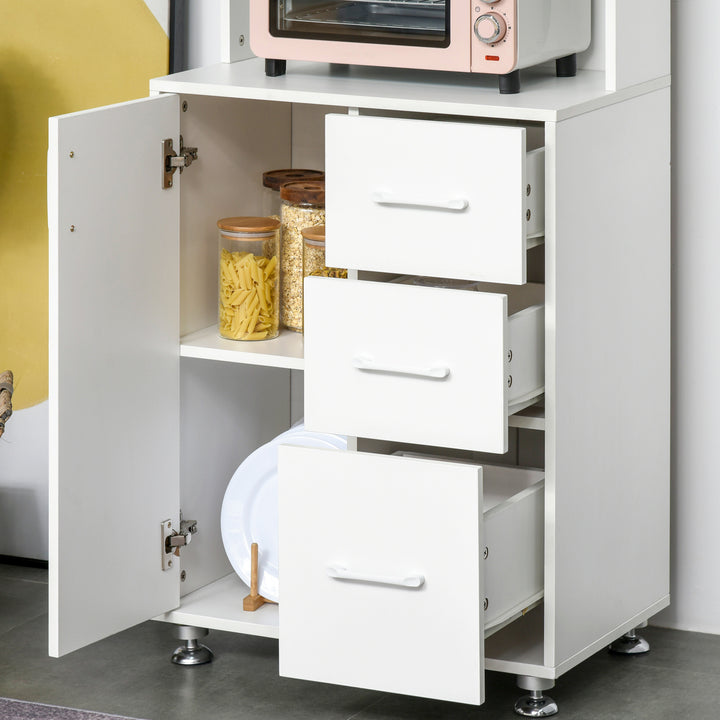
column 273, row 179
column 303, row 205
column 249, row 272
column 314, row 254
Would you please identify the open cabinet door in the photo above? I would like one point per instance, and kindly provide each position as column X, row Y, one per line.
column 114, row 368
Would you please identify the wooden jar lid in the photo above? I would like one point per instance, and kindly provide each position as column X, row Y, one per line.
column 314, row 234
column 273, row 179
column 248, row 224
column 311, row 192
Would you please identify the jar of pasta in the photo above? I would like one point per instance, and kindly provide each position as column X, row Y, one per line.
column 314, row 254
column 303, row 205
column 273, row 179
column 249, row 273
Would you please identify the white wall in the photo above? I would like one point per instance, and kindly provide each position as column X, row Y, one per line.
column 696, row 358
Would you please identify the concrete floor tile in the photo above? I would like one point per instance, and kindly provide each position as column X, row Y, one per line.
column 131, row 674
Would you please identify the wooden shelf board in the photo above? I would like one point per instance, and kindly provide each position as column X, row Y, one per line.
column 543, row 96
column 284, row 351
column 218, row 606
column 518, row 648
column 531, row 418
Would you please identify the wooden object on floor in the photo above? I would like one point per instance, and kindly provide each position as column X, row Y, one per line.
column 254, row 600
column 6, row 391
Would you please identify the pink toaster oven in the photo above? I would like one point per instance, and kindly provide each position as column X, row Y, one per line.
column 498, row 37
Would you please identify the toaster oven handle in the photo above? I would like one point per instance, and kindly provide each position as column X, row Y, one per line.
column 341, row 573
column 361, row 362
column 389, row 198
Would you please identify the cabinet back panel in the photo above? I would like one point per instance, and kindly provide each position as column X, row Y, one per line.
column 237, row 141
column 227, row 411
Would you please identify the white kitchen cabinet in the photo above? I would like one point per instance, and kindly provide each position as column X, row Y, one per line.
column 151, row 411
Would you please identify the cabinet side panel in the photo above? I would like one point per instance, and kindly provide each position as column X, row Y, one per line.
column 608, row 371
column 113, row 472
column 637, row 42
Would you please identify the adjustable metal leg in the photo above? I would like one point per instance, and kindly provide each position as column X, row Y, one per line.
column 630, row 644
column 192, row 652
column 536, row 704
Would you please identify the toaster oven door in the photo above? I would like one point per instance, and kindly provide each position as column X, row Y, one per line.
column 423, row 23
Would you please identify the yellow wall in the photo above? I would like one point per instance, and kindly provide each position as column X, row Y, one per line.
column 55, row 58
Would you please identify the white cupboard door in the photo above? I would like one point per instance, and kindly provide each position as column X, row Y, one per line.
column 424, row 197
column 412, row 364
column 114, row 395
column 381, row 579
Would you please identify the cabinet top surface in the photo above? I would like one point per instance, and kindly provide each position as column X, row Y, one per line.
column 543, row 96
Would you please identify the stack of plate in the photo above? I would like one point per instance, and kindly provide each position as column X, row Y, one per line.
column 250, row 507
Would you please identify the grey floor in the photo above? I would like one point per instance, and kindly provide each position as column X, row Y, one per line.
column 131, row 674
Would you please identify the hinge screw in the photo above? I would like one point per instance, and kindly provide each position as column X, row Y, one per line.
column 509, row 381
column 169, row 182
column 528, row 189
column 169, row 563
column 72, row 153
column 485, row 554
column 528, row 215
column 185, row 106
column 183, row 575
column 509, row 355
column 486, row 604
column 241, row 40
column 72, row 228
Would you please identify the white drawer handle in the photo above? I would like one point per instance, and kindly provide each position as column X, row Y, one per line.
column 341, row 573
column 388, row 198
column 369, row 365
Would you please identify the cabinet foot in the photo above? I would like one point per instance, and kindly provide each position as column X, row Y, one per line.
column 536, row 704
column 192, row 652
column 630, row 644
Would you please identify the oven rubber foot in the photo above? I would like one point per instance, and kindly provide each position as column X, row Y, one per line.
column 509, row 84
column 275, row 68
column 630, row 644
column 566, row 66
column 192, row 652
column 536, row 704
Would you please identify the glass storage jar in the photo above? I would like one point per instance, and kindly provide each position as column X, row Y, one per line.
column 273, row 179
column 249, row 272
column 303, row 205
column 314, row 254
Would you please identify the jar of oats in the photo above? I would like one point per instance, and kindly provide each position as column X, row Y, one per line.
column 303, row 205
column 249, row 278
column 273, row 179
column 314, row 254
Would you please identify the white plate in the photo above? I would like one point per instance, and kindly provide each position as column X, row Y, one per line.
column 250, row 507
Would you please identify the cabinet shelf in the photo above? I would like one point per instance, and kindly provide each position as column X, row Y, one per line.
column 542, row 99
column 218, row 606
column 284, row 351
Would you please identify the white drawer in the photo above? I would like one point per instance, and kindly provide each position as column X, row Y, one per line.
column 383, row 579
column 423, row 365
column 427, row 197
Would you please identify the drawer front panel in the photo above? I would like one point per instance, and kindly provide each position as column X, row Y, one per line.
column 432, row 198
column 382, row 583
column 412, row 364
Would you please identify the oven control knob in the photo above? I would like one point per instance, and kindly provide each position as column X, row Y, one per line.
column 490, row 28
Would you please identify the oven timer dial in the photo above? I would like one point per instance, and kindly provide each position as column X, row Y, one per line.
column 490, row 28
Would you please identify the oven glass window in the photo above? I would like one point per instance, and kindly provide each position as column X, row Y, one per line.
column 390, row 22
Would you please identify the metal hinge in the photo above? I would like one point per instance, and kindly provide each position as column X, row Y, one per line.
column 172, row 160
column 173, row 540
